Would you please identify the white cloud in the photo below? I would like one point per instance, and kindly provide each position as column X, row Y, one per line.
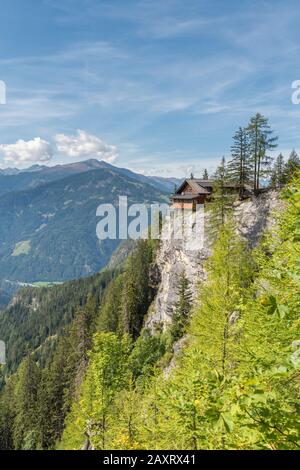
column 85, row 145
column 23, row 152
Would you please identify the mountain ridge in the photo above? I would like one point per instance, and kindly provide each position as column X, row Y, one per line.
column 13, row 179
column 49, row 232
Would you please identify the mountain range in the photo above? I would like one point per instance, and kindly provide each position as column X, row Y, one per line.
column 12, row 179
column 48, row 219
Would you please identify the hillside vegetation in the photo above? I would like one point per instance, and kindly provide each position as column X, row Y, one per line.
column 234, row 383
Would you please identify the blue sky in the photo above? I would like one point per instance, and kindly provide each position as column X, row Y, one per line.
column 156, row 86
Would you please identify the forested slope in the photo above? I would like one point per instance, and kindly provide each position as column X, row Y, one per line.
column 235, row 384
column 36, row 316
column 54, row 326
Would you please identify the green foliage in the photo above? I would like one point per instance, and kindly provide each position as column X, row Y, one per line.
column 32, row 322
column 278, row 173
column 222, row 199
column 75, row 311
column 292, row 167
column 139, row 288
column 240, row 167
column 261, row 141
column 182, row 308
column 105, row 376
column 205, row 174
column 236, row 385
column 25, row 428
column 147, row 352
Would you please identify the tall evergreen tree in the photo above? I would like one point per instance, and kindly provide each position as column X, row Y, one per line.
column 138, row 291
column 261, row 141
column 240, row 167
column 205, row 174
column 181, row 312
column 222, row 199
column 292, row 166
column 25, row 430
column 278, row 172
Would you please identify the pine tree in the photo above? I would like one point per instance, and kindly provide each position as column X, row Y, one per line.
column 240, row 167
column 110, row 309
column 7, row 414
column 261, row 140
column 25, row 429
column 278, row 172
column 292, row 166
column 205, row 174
column 181, row 312
column 222, row 200
column 83, row 327
column 138, row 291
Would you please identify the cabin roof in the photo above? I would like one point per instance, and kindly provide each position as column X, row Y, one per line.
column 197, row 185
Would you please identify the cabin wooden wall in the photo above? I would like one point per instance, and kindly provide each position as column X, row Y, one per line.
column 191, row 205
column 186, row 189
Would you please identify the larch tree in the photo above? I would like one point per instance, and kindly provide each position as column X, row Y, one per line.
column 292, row 166
column 182, row 308
column 278, row 172
column 221, row 203
column 240, row 168
column 261, row 141
column 205, row 174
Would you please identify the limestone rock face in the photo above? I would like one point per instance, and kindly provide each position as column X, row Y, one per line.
column 255, row 215
column 176, row 255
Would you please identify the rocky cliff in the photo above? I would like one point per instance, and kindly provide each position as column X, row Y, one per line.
column 175, row 255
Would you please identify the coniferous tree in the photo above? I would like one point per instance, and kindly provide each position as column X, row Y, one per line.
column 25, row 429
column 7, row 414
column 240, row 168
column 138, row 291
column 222, row 200
column 205, row 174
column 181, row 312
column 292, row 166
column 110, row 309
column 278, row 172
column 261, row 140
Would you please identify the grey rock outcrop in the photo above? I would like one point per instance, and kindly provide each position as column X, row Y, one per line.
column 253, row 216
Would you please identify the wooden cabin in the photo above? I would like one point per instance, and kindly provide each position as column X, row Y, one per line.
column 191, row 192
column 195, row 191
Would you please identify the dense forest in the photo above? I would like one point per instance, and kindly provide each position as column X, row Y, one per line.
column 223, row 375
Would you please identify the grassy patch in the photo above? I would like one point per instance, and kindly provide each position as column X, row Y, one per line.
column 22, row 248
column 45, row 283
